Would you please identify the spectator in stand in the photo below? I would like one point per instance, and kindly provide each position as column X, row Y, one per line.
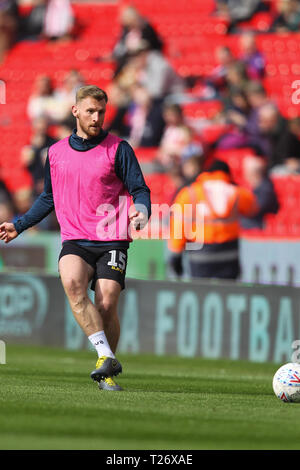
column 256, row 94
column 6, row 204
column 289, row 150
column 246, row 118
column 252, row 58
column 40, row 103
column 257, row 98
column 50, row 104
column 192, row 159
column 155, row 73
column 146, row 123
column 9, row 25
column 239, row 10
column 236, row 107
column 134, row 29
column 217, row 79
column 266, row 139
column 59, row 19
column 33, row 23
column 65, row 128
column 64, row 96
column 256, row 176
column 149, row 70
column 236, row 75
column 243, row 112
column 120, row 100
column 34, row 155
column 6, row 210
column 213, row 253
column 288, row 18
column 177, row 135
column 22, row 201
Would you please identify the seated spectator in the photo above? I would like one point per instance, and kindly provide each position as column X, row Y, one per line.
column 192, row 159
column 260, row 129
column 257, row 98
column 224, row 58
column 9, row 25
column 252, row 58
column 239, row 10
column 177, row 135
column 6, row 204
column 146, row 124
column 256, row 94
column 154, row 72
column 33, row 23
column 271, row 127
column 44, row 103
column 41, row 100
column 236, row 75
column 65, row 128
column 289, row 150
column 59, row 19
column 237, row 112
column 288, row 18
column 65, row 95
column 34, row 155
column 255, row 175
column 119, row 102
column 6, row 211
column 289, row 166
column 22, row 201
column 134, row 29
column 236, row 107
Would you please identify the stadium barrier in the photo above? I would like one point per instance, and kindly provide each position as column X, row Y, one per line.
column 209, row 319
column 262, row 260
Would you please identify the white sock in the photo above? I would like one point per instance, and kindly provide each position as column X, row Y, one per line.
column 100, row 343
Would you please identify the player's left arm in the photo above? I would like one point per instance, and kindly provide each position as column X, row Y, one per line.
column 129, row 171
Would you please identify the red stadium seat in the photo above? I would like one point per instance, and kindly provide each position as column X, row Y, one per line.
column 234, row 158
column 146, row 155
column 202, row 109
column 162, row 188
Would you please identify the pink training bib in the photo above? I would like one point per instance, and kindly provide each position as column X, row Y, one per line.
column 91, row 202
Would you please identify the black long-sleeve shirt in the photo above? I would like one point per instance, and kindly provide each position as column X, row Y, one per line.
column 127, row 169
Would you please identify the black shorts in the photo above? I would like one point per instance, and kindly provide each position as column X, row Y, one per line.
column 107, row 263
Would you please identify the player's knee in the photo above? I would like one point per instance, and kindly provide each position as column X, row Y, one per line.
column 74, row 289
column 106, row 309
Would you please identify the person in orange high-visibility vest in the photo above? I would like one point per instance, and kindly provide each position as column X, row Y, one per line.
column 205, row 224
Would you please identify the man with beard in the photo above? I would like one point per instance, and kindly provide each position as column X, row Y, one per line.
column 89, row 178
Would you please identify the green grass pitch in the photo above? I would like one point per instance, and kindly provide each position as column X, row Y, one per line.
column 48, row 401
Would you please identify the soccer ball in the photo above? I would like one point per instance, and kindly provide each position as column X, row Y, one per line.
column 286, row 382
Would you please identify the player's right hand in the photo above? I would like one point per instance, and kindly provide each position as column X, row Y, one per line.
column 7, row 232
